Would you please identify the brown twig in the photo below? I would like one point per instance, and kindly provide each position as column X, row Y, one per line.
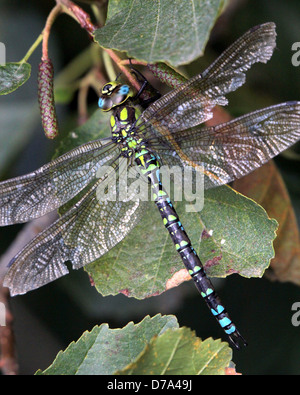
column 85, row 22
column 46, row 32
column 119, row 62
column 78, row 14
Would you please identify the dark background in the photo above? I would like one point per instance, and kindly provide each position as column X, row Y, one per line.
column 48, row 319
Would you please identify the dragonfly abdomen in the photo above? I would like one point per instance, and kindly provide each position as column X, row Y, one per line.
column 149, row 166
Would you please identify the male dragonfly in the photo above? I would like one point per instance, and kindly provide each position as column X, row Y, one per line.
column 170, row 132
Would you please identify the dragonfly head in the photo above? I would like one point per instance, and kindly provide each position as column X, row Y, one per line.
column 113, row 94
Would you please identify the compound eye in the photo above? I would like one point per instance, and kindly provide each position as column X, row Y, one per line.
column 105, row 104
column 118, row 99
column 124, row 90
column 122, row 95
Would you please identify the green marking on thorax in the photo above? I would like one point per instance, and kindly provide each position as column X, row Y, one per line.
column 112, row 121
column 124, row 114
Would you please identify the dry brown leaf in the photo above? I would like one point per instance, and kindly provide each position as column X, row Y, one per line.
column 266, row 186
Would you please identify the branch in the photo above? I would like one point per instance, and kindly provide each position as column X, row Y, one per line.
column 51, row 18
column 78, row 14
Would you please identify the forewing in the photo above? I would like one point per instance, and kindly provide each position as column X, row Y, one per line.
column 192, row 102
column 86, row 232
column 37, row 193
column 231, row 150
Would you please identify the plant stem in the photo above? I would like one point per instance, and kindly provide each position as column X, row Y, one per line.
column 32, row 48
column 108, row 64
column 124, row 70
column 78, row 14
column 51, row 18
column 97, row 11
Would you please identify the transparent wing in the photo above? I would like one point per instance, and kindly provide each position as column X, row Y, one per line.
column 37, row 193
column 192, row 102
column 87, row 231
column 231, row 150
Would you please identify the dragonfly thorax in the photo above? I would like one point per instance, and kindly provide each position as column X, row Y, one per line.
column 122, row 123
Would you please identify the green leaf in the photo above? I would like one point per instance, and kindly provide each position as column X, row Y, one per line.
column 105, row 350
column 64, row 94
column 16, row 128
column 154, row 346
column 96, row 127
column 178, row 352
column 12, row 76
column 173, row 31
column 232, row 234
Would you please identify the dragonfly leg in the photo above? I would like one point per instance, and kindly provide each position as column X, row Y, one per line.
column 155, row 94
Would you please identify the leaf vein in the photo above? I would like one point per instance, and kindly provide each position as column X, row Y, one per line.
column 156, row 30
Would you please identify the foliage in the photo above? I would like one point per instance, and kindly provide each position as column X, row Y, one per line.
column 12, row 76
column 154, row 346
column 232, row 234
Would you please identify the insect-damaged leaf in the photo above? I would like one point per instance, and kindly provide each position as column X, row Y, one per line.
column 231, row 234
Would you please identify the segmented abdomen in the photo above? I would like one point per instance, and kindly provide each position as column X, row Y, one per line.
column 149, row 166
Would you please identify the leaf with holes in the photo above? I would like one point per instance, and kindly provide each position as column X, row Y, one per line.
column 232, row 234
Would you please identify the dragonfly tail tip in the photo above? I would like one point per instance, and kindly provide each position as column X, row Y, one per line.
column 236, row 339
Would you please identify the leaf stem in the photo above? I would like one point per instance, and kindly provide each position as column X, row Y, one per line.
column 32, row 48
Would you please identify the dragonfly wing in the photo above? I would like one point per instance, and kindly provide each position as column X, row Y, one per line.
column 231, row 150
column 192, row 102
column 37, row 193
column 86, row 232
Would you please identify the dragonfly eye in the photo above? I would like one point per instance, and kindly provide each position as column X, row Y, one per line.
column 105, row 103
column 124, row 90
column 113, row 94
column 121, row 95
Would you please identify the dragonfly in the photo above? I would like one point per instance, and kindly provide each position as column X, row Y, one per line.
column 168, row 131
